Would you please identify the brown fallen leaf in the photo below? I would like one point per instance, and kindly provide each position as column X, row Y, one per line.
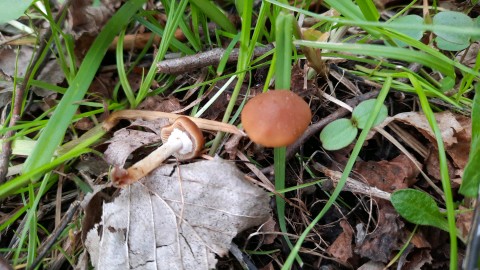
column 372, row 265
column 418, row 259
column 388, row 237
column 177, row 218
column 157, row 103
column 455, row 130
column 86, row 20
column 399, row 173
column 341, row 248
column 464, row 221
column 432, row 164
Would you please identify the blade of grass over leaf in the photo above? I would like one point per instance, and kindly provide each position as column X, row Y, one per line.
column 127, row 89
column 283, row 75
column 471, row 175
column 368, row 9
column 175, row 13
column 54, row 132
column 354, row 19
column 384, row 51
column 81, row 148
column 244, row 55
column 443, row 171
column 348, row 168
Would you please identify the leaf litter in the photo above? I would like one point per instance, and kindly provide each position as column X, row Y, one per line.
column 178, row 216
column 141, row 203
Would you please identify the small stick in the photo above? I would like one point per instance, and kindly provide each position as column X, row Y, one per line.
column 352, row 185
column 203, row 59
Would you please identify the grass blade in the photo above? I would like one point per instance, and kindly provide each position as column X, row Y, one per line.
column 54, row 132
column 445, row 178
column 348, row 168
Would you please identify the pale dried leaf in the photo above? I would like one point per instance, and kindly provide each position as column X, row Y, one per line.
column 127, row 140
column 455, row 130
column 149, row 227
column 448, row 124
column 84, row 17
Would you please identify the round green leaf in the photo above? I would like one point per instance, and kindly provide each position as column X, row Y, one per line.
column 447, row 84
column 362, row 112
column 413, row 33
column 453, row 18
column 419, row 208
column 338, row 134
column 446, row 45
column 11, row 10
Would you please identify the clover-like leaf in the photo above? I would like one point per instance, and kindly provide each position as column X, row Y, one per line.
column 362, row 112
column 413, row 33
column 419, row 208
column 446, row 45
column 447, row 83
column 448, row 40
column 338, row 134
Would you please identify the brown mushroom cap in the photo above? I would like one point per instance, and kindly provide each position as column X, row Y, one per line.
column 191, row 129
column 276, row 118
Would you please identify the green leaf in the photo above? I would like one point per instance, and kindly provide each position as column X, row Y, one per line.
column 446, row 45
column 338, row 134
column 458, row 19
column 476, row 23
column 419, row 208
column 447, row 84
column 413, row 33
column 437, row 61
column 361, row 113
column 213, row 12
column 11, row 10
column 368, row 9
column 471, row 174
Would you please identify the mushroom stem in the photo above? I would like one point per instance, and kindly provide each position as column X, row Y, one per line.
column 115, row 117
column 178, row 142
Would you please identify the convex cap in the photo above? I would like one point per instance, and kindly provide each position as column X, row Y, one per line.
column 275, row 118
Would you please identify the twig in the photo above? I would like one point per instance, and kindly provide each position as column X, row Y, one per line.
column 18, row 99
column 50, row 241
column 203, row 59
column 352, row 185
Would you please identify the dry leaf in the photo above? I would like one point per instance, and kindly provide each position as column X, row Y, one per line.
column 127, row 140
column 418, row 260
column 167, row 221
column 399, row 173
column 341, row 248
column 455, row 130
column 388, row 237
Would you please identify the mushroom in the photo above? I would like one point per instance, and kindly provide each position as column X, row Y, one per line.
column 275, row 118
column 182, row 139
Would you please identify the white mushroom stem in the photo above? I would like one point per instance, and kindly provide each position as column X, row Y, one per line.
column 178, row 143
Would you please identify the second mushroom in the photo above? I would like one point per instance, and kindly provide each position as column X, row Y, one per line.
column 182, row 139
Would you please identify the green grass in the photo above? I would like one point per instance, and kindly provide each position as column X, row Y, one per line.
column 59, row 144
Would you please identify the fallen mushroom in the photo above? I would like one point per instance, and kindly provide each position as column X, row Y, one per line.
column 183, row 139
column 275, row 118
